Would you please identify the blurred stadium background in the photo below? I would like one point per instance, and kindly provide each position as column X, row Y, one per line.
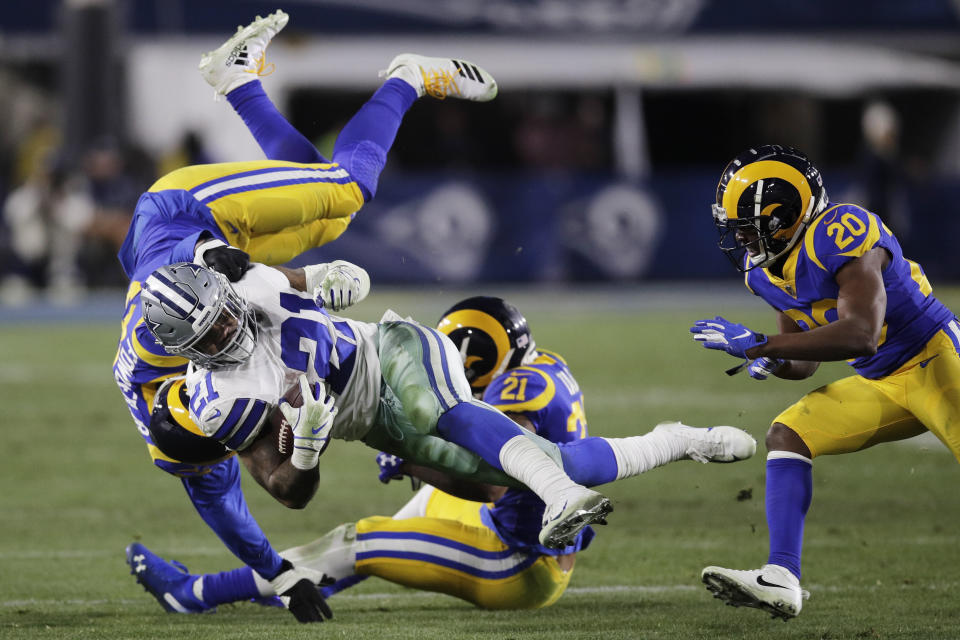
column 596, row 163
column 582, row 193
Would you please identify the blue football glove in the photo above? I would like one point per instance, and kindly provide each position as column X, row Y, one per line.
column 722, row 334
column 761, row 368
column 390, row 469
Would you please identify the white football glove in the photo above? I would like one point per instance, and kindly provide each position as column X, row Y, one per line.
column 310, row 423
column 337, row 285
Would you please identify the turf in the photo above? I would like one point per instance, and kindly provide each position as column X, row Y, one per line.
column 881, row 555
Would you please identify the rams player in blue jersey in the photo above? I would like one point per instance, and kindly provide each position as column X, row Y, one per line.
column 490, row 554
column 843, row 290
column 221, row 216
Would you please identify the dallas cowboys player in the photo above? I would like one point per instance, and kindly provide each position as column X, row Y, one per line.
column 842, row 290
column 271, row 210
column 490, row 555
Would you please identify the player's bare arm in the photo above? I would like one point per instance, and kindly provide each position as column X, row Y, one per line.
column 793, row 369
column 290, row 486
column 861, row 304
column 296, row 277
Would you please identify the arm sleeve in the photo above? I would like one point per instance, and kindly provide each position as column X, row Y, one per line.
column 220, row 502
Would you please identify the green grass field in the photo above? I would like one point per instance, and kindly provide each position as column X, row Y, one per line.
column 881, row 559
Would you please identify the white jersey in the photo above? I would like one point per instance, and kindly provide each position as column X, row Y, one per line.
column 294, row 336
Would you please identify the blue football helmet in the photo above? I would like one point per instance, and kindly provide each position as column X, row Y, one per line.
column 766, row 199
column 195, row 312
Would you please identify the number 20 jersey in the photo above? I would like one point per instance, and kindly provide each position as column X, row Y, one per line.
column 808, row 290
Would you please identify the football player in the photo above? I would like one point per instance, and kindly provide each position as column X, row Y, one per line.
column 487, row 554
column 842, row 290
column 222, row 214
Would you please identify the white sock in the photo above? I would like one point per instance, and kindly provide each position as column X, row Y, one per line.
column 334, row 554
column 522, row 459
column 411, row 75
column 639, row 454
column 416, row 507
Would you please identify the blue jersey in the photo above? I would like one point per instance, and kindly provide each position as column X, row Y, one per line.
column 808, row 290
column 165, row 228
column 547, row 394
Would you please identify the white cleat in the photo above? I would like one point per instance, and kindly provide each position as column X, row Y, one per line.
column 443, row 77
column 771, row 588
column 242, row 58
column 712, row 444
column 565, row 518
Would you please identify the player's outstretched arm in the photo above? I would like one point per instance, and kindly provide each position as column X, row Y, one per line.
column 334, row 285
column 861, row 306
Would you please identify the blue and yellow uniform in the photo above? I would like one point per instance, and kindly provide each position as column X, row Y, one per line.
column 487, row 554
column 912, row 382
column 274, row 210
column 271, row 209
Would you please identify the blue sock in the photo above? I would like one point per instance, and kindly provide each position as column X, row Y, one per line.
column 341, row 584
column 277, row 137
column 361, row 148
column 229, row 586
column 789, row 491
column 589, row 461
column 479, row 429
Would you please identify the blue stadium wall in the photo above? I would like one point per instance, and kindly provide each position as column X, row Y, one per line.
column 571, row 227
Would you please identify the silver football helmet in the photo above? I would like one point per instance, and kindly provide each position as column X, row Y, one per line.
column 195, row 312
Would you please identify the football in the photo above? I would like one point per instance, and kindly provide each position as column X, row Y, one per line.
column 280, row 430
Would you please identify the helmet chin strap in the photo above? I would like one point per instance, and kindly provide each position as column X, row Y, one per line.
column 813, row 209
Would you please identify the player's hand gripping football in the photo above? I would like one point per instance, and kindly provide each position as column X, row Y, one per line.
column 337, row 285
column 722, row 334
column 219, row 256
column 299, row 590
column 310, row 423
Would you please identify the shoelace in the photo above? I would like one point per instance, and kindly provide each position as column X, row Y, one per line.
column 439, row 83
column 262, row 68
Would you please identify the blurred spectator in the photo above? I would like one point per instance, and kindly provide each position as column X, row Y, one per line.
column 46, row 217
column 189, row 151
column 557, row 134
column 115, row 179
column 881, row 174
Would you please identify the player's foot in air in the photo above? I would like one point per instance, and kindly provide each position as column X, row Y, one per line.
column 169, row 582
column 771, row 588
column 565, row 518
column 242, row 58
column 711, row 444
column 443, row 77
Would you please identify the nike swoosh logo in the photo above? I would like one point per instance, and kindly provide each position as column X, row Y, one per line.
column 318, row 429
column 233, row 228
column 215, row 416
column 764, row 583
column 742, row 335
column 924, row 364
